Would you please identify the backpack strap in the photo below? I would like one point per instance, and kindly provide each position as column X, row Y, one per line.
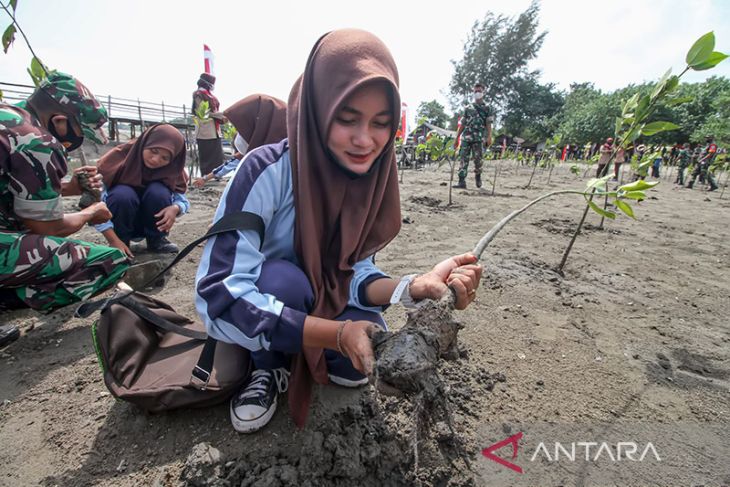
column 160, row 322
column 201, row 373
column 241, row 220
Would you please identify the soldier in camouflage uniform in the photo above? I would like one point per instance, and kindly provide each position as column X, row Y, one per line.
column 39, row 267
column 475, row 129
column 683, row 160
column 702, row 168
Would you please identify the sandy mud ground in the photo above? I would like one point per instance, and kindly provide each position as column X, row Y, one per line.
column 632, row 343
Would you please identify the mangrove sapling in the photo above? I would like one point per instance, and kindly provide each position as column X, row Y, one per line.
column 638, row 110
column 497, row 167
column 534, row 167
column 444, row 151
column 550, row 172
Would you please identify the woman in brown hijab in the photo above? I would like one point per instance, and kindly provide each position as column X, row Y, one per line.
column 259, row 120
column 302, row 291
column 145, row 184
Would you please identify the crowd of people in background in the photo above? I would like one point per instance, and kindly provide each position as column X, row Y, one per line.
column 693, row 162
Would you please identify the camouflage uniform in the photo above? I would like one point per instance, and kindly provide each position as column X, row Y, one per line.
column 474, row 120
column 46, row 272
column 683, row 158
column 702, row 168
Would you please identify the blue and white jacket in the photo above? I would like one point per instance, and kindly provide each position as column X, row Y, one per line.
column 226, row 168
column 227, row 299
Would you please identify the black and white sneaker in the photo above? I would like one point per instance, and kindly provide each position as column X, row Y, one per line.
column 254, row 406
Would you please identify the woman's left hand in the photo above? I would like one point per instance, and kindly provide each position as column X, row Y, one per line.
column 166, row 217
column 459, row 272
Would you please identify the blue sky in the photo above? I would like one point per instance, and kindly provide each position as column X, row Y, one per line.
column 152, row 49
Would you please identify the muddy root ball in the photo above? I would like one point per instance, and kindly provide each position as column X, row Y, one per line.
column 406, row 360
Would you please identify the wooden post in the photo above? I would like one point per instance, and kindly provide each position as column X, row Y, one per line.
column 109, row 114
column 141, row 120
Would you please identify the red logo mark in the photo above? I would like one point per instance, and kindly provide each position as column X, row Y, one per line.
column 513, row 440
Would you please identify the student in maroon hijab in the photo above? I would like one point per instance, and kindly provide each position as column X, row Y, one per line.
column 145, row 184
column 259, row 120
column 301, row 289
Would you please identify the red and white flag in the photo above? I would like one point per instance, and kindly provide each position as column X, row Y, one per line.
column 208, row 59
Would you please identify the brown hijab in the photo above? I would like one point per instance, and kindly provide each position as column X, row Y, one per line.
column 340, row 219
column 260, row 119
column 124, row 163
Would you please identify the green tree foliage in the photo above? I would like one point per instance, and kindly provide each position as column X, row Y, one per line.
column 588, row 114
column 432, row 112
column 531, row 112
column 718, row 123
column 496, row 54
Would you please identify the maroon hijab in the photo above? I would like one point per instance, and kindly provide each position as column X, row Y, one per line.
column 124, row 163
column 259, row 119
column 340, row 219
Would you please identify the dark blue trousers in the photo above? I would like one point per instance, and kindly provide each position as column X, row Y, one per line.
column 290, row 285
column 134, row 210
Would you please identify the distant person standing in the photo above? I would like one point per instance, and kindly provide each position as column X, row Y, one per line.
column 620, row 159
column 475, row 130
column 683, row 160
column 656, row 165
column 702, row 168
column 606, row 150
column 208, row 133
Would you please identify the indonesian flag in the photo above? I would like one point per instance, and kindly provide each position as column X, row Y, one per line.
column 208, row 59
column 403, row 129
column 457, row 142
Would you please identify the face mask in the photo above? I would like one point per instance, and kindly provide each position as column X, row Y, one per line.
column 240, row 144
column 71, row 141
column 478, row 96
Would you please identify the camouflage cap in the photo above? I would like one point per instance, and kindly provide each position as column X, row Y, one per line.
column 76, row 101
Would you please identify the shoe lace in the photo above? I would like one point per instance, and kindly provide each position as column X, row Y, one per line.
column 282, row 379
column 257, row 385
column 259, row 382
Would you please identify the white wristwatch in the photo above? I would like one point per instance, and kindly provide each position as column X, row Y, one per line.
column 402, row 292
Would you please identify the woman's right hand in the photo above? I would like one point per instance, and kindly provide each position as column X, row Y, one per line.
column 357, row 346
column 199, row 182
